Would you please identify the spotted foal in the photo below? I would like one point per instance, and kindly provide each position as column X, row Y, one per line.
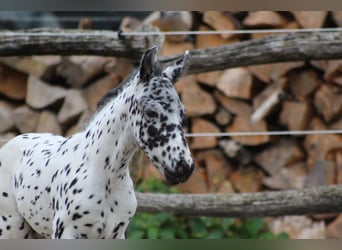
column 80, row 186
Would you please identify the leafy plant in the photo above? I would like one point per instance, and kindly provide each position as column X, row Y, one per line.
column 168, row 226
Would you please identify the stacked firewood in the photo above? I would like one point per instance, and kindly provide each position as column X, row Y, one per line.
column 59, row 93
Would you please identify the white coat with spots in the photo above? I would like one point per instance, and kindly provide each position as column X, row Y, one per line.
column 80, row 186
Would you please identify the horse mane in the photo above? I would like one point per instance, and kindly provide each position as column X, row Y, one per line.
column 114, row 92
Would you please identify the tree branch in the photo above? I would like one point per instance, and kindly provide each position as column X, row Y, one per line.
column 273, row 49
column 71, row 42
column 279, row 48
column 325, row 199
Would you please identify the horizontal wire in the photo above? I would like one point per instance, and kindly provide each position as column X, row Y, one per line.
column 211, row 32
column 260, row 133
column 256, row 133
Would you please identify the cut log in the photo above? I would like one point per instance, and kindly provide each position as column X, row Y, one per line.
column 282, row 153
column 13, row 83
column 42, row 95
column 223, row 117
column 328, row 102
column 235, row 150
column 4, row 138
column 220, row 21
column 197, row 184
column 129, row 24
column 273, row 72
column 331, row 170
column 333, row 69
column 235, row 106
column 281, row 69
column 264, row 103
column 318, row 174
column 262, row 72
column 276, row 182
column 80, row 125
column 265, row 108
column 170, row 48
column 6, row 121
column 171, row 21
column 216, row 166
column 243, row 124
column 337, row 80
column 337, row 124
column 296, row 115
column 275, row 87
column 79, row 70
column 73, row 106
column 320, row 64
column 338, row 162
column 203, row 126
column 183, row 83
column 303, row 83
column 175, row 21
column 209, row 78
column 334, row 229
column 211, row 40
column 236, row 82
column 264, row 18
column 196, row 101
column 48, row 123
column 33, row 65
column 298, row 227
column 310, row 19
column 247, row 180
column 289, row 177
column 99, row 88
column 337, row 16
column 318, row 146
column 226, row 187
column 230, row 147
column 25, row 119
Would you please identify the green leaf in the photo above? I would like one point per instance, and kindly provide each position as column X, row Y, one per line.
column 137, row 234
column 167, row 233
column 282, row 235
column 198, row 228
column 215, row 234
column 152, row 233
column 164, row 217
column 181, row 233
column 227, row 223
column 254, row 226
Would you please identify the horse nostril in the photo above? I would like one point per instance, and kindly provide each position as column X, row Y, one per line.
column 184, row 169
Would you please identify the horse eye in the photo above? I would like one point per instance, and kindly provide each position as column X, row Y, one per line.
column 151, row 113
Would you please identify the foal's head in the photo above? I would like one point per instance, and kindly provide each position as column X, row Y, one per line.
column 158, row 128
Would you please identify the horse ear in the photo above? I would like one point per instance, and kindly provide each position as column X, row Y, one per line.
column 148, row 64
column 175, row 71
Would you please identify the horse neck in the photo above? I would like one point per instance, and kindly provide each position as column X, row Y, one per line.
column 111, row 142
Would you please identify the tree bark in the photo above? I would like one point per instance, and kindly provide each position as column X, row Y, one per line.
column 279, row 48
column 325, row 199
column 71, row 42
column 273, row 49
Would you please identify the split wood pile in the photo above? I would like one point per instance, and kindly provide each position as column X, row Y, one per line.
column 58, row 94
